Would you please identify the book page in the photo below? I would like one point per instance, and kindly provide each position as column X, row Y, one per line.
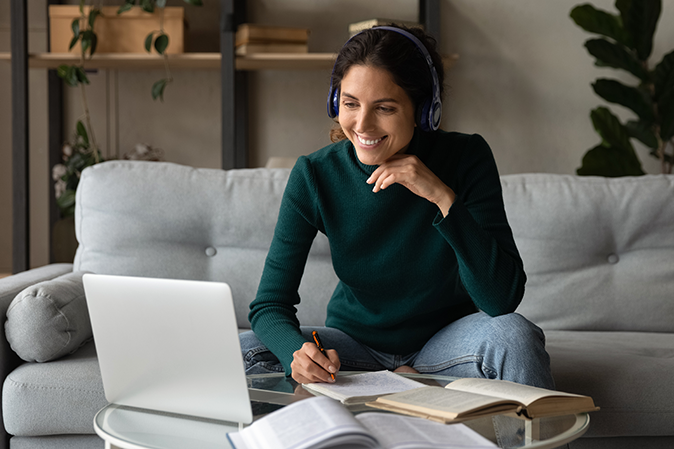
column 402, row 432
column 304, row 424
column 505, row 389
column 443, row 402
column 364, row 387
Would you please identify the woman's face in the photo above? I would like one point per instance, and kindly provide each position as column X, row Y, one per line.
column 375, row 113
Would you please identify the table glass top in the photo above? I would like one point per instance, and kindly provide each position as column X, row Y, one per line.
column 131, row 428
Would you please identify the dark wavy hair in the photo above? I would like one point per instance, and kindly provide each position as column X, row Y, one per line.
column 395, row 53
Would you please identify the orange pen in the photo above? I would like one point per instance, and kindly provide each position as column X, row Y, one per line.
column 317, row 340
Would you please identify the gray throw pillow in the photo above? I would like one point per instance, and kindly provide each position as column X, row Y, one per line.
column 49, row 320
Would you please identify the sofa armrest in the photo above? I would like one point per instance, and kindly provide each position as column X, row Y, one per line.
column 9, row 288
column 15, row 284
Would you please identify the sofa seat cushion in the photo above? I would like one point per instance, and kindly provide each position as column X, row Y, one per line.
column 628, row 374
column 59, row 397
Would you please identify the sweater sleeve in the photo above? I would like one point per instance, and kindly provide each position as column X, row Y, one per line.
column 490, row 267
column 273, row 313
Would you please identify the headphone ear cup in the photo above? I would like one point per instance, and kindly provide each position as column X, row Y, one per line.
column 435, row 114
column 333, row 103
column 422, row 115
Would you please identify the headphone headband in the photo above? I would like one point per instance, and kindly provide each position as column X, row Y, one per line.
column 429, row 112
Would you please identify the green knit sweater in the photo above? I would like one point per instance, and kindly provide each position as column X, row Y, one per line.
column 405, row 271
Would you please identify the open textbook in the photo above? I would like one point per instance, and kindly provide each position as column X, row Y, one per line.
column 364, row 387
column 323, row 423
column 473, row 398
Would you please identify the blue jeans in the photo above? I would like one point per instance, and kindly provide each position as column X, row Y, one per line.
column 507, row 347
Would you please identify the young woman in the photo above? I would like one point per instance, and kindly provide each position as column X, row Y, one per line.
column 429, row 273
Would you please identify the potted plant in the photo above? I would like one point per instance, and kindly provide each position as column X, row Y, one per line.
column 626, row 43
column 82, row 150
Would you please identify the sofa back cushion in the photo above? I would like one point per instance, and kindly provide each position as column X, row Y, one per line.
column 598, row 252
column 158, row 219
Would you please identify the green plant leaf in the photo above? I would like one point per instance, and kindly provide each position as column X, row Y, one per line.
column 76, row 27
column 614, row 55
column 82, row 132
column 86, row 40
column 81, row 75
column 666, row 108
column 148, row 42
column 68, row 74
column 643, row 132
column 62, row 71
column 613, row 133
column 73, row 42
column 158, row 89
column 66, row 201
column 663, row 75
column 194, row 2
column 126, row 6
column 609, row 162
column 93, row 13
column 161, row 43
column 640, row 18
column 601, row 22
column 94, row 43
column 147, row 5
column 82, row 2
column 631, row 97
column 161, row 3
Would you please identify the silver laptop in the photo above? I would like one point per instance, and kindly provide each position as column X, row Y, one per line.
column 169, row 345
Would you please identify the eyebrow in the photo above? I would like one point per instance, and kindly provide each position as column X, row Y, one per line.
column 381, row 100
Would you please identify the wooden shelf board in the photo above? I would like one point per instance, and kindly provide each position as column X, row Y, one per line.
column 259, row 61
column 180, row 61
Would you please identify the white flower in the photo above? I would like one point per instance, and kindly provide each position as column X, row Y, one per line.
column 142, row 149
column 67, row 150
column 58, row 171
column 59, row 187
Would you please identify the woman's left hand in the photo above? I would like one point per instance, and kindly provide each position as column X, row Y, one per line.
column 410, row 172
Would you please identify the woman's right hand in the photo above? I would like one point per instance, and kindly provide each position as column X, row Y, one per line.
column 309, row 365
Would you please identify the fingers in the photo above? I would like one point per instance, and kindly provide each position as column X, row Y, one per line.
column 410, row 172
column 392, row 170
column 310, row 365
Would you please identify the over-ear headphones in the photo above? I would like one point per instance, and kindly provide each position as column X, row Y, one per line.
column 429, row 111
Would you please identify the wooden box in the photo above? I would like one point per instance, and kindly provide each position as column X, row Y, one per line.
column 117, row 33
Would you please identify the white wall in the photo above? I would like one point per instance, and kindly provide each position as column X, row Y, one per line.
column 522, row 81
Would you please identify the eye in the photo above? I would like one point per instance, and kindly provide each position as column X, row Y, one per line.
column 349, row 104
column 386, row 110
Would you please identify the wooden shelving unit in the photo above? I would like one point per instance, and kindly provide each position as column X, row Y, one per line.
column 234, row 87
column 143, row 61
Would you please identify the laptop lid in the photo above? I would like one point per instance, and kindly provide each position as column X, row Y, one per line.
column 169, row 345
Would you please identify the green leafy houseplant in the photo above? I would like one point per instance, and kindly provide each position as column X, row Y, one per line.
column 626, row 43
column 158, row 37
column 83, row 150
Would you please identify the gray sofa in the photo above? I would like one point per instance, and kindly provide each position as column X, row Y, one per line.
column 599, row 254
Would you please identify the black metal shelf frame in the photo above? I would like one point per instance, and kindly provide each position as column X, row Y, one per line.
column 234, row 111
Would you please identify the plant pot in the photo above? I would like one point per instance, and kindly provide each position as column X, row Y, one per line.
column 117, row 33
column 63, row 240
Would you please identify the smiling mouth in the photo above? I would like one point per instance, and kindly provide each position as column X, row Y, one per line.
column 370, row 142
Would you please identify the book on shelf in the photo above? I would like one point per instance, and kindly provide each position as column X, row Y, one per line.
column 249, row 49
column 357, row 27
column 321, row 422
column 364, row 387
column 249, row 33
column 469, row 398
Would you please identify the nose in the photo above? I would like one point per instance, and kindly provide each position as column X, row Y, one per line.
column 364, row 120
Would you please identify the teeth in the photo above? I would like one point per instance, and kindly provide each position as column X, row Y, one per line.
column 369, row 142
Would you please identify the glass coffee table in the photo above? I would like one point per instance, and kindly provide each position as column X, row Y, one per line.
column 132, row 428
